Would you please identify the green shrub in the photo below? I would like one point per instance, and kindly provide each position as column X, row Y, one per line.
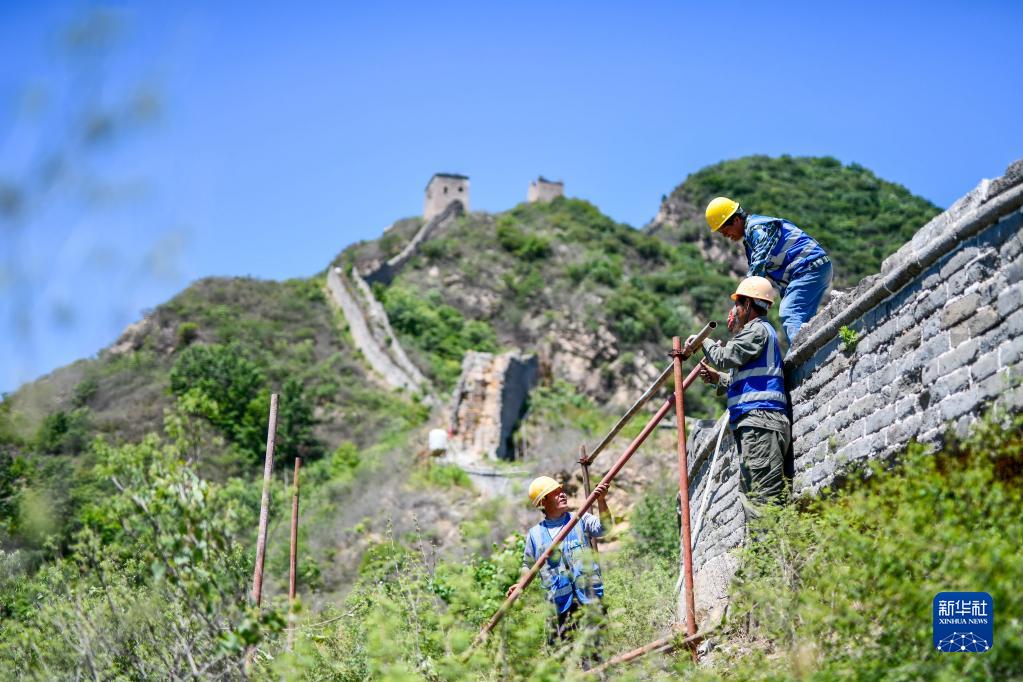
column 443, row 476
column 345, row 460
column 850, row 337
column 440, row 332
column 64, row 432
column 187, row 333
column 84, row 391
column 225, row 388
column 528, row 247
column 843, row 588
column 654, row 523
column 295, row 437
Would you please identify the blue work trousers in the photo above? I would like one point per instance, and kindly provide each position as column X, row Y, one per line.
column 802, row 297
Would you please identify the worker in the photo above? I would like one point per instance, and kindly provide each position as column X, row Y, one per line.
column 780, row 251
column 755, row 386
column 571, row 576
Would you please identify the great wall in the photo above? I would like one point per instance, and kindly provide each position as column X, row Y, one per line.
column 939, row 340
column 931, row 342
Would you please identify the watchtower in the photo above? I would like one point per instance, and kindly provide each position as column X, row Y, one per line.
column 444, row 189
column 543, row 189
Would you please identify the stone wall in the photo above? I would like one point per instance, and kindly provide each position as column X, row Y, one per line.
column 372, row 334
column 717, row 519
column 385, row 272
column 489, row 400
column 939, row 340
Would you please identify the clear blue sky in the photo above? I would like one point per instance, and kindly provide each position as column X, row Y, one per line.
column 287, row 133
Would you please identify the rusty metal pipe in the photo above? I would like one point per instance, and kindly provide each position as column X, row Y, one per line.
column 567, row 528
column 587, row 486
column 649, row 393
column 663, row 644
column 293, row 573
column 683, row 484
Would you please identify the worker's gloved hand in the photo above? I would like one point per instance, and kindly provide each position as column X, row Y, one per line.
column 511, row 589
column 689, row 341
column 601, row 489
column 709, row 375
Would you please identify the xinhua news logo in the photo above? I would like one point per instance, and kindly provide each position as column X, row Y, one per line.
column 963, row 622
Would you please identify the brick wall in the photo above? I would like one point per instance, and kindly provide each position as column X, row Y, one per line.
column 940, row 339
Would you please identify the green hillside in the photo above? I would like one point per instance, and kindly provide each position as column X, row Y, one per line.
column 129, row 482
column 858, row 217
column 540, row 274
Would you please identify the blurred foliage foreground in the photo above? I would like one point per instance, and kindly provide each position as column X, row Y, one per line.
column 155, row 586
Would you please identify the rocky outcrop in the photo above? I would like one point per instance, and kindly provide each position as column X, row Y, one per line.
column 678, row 220
column 489, row 400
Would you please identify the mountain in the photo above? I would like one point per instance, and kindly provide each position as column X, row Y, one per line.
column 856, row 216
column 157, row 442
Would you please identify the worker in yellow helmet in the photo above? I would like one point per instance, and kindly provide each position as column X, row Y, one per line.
column 755, row 386
column 571, row 575
column 778, row 250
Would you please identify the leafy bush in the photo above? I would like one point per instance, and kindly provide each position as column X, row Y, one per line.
column 153, row 586
column 654, row 523
column 843, row 587
column 64, row 432
column 217, row 382
column 528, row 247
column 440, row 332
column 187, row 333
column 227, row 389
column 850, row 337
column 443, row 476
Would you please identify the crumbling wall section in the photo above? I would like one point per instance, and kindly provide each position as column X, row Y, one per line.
column 489, row 400
column 717, row 518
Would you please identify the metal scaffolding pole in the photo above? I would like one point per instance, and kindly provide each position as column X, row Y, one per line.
column 683, row 486
column 649, row 393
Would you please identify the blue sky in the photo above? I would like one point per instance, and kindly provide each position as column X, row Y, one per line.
column 286, row 133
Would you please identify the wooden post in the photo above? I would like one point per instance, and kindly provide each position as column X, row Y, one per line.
column 584, row 464
column 294, row 545
column 683, row 489
column 264, row 508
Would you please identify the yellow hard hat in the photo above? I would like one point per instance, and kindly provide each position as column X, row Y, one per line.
column 540, row 488
column 719, row 210
column 755, row 287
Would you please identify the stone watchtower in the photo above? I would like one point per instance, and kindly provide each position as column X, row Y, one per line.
column 543, row 189
column 442, row 190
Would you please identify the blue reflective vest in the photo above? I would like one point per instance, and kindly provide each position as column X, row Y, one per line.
column 563, row 574
column 760, row 383
column 794, row 250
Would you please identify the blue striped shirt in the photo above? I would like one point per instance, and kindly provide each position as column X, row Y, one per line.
column 567, row 572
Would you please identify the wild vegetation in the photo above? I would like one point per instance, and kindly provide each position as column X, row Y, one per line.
column 129, row 483
column 856, row 216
